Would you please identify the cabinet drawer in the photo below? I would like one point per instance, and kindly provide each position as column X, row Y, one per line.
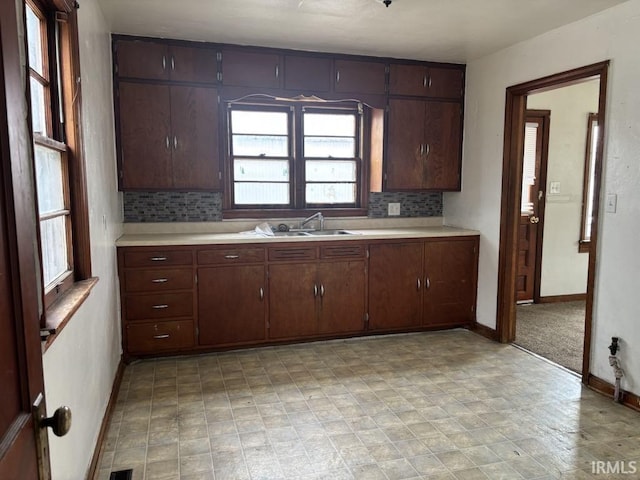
column 231, row 256
column 157, row 258
column 343, row 251
column 140, row 307
column 161, row 336
column 293, row 253
column 158, row 279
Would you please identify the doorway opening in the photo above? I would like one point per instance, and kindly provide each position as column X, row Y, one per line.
column 531, row 223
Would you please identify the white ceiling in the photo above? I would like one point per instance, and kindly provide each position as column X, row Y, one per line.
column 438, row 30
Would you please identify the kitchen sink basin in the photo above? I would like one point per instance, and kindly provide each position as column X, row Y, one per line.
column 312, row 233
column 329, row 232
column 290, row 234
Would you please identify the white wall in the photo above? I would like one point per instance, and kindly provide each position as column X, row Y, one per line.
column 564, row 269
column 80, row 366
column 613, row 34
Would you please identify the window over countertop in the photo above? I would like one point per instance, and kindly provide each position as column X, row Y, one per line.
column 290, row 157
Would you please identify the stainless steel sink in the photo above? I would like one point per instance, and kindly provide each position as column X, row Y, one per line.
column 291, row 234
column 330, row 232
column 312, row 233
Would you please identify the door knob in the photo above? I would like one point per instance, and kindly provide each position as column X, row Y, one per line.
column 60, row 421
column 534, row 219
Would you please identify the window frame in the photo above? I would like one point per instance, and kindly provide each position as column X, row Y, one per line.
column 62, row 297
column 297, row 206
column 584, row 242
column 358, row 113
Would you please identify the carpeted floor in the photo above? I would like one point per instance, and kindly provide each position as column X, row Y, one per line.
column 553, row 330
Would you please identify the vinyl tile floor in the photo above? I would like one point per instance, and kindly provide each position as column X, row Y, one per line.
column 442, row 405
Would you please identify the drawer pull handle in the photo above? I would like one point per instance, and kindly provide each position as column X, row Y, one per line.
column 261, row 293
column 231, row 257
column 160, row 280
column 158, row 259
column 161, row 337
column 418, row 284
column 160, row 307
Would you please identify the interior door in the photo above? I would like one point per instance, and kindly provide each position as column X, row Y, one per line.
column 531, row 206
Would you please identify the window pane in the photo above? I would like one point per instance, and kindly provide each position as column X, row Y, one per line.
column 330, row 171
column 262, row 123
column 529, row 168
column 324, row 147
column 261, row 193
column 260, row 145
column 38, row 117
column 34, row 39
column 261, row 170
column 53, row 235
column 330, row 124
column 49, row 180
column 331, row 193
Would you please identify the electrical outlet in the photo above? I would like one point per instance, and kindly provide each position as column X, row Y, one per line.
column 394, row 209
column 554, row 188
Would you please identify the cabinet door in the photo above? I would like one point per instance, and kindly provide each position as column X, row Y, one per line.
column 140, row 59
column 359, row 77
column 342, row 296
column 408, row 80
column 451, row 279
column 405, row 145
column 145, row 153
column 445, row 83
column 304, row 73
column 395, row 286
column 246, row 69
column 293, row 293
column 443, row 135
column 193, row 64
column 231, row 304
column 194, row 140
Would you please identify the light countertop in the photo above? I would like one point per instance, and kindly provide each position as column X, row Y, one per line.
column 213, row 238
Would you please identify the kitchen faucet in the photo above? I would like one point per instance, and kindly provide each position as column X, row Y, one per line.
column 316, row 216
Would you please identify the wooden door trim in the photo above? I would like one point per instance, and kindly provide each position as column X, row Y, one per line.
column 510, row 202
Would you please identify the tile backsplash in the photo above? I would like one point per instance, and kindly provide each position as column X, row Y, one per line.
column 141, row 207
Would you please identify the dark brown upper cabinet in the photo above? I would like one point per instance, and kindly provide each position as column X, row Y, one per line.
column 353, row 76
column 423, row 145
column 307, row 74
column 251, row 69
column 161, row 61
column 426, row 81
column 168, row 137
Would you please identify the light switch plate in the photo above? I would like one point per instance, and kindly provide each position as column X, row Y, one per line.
column 394, row 209
column 612, row 203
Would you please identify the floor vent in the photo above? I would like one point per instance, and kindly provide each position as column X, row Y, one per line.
column 121, row 475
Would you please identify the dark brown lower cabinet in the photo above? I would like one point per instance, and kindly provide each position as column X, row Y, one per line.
column 252, row 294
column 426, row 283
column 342, row 303
column 395, row 294
column 317, row 298
column 451, row 268
column 292, row 300
column 231, row 305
